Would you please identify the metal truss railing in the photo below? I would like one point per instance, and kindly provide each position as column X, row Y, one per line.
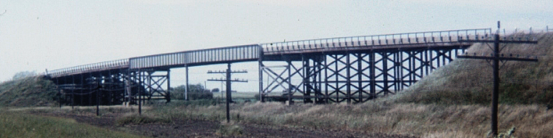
column 448, row 36
column 100, row 66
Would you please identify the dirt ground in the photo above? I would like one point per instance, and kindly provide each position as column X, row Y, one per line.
column 203, row 128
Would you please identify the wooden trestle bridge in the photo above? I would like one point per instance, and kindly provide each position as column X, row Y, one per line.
column 343, row 69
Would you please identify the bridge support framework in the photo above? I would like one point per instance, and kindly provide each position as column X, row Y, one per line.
column 149, row 84
column 114, row 87
column 351, row 77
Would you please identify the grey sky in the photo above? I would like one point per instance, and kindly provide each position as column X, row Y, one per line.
column 40, row 34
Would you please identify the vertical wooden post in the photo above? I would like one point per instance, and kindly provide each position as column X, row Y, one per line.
column 139, row 92
column 495, row 93
column 187, row 87
column 228, row 92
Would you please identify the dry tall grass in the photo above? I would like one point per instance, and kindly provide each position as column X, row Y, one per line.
column 428, row 120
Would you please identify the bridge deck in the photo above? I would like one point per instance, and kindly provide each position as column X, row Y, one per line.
column 447, row 38
column 88, row 68
column 390, row 41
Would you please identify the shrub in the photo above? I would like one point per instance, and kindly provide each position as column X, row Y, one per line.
column 196, row 92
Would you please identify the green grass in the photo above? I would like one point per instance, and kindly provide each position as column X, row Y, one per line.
column 28, row 91
column 25, row 125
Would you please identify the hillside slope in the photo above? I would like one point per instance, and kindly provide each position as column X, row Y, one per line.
column 29, row 91
column 470, row 81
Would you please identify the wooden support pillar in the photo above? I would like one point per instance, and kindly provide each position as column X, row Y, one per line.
column 187, row 87
column 289, row 82
column 139, row 92
column 168, row 94
column 228, row 91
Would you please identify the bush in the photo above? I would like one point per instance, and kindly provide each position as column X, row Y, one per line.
column 196, row 92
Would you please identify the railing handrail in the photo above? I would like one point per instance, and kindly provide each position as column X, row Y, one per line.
column 92, row 66
column 190, row 51
column 466, row 31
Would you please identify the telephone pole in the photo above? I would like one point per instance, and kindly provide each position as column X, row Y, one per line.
column 496, row 58
column 228, row 80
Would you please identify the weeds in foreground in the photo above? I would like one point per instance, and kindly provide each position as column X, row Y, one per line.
column 508, row 134
column 140, row 119
column 229, row 130
column 25, row 125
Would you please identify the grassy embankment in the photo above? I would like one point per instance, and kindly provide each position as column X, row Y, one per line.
column 469, row 81
column 28, row 91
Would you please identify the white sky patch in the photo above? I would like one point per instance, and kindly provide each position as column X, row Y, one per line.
column 166, row 2
column 290, row 3
column 498, row 5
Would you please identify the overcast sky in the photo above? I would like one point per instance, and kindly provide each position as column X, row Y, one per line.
column 48, row 34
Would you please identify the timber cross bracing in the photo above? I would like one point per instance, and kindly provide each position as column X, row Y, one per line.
column 351, row 69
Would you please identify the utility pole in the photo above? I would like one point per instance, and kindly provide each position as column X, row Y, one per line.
column 496, row 58
column 228, row 80
column 226, row 77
